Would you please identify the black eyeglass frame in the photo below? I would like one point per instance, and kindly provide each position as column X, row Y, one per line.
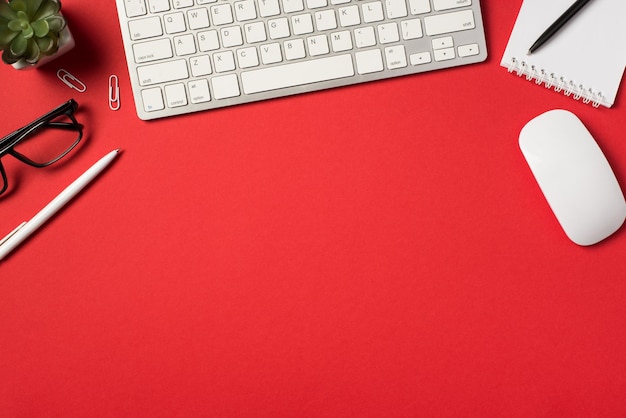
column 8, row 143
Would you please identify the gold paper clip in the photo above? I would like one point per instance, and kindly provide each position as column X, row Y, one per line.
column 114, row 92
column 71, row 81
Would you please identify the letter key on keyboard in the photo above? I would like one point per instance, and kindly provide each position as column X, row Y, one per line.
column 186, row 56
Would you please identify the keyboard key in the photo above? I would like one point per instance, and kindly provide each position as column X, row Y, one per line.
column 135, row 8
column 395, row 57
column 388, row 33
column 468, row 50
column 291, row 6
column 297, row 74
column 317, row 45
column 449, row 22
column 222, row 14
column 199, row 91
column 255, row 32
column 445, row 42
column 200, row 65
column 278, row 28
column 364, row 37
column 162, row 72
column 450, row 4
column 419, row 6
column 247, row 57
column 411, row 29
column 302, row 24
column 179, row 4
column 175, row 95
column 349, row 16
column 185, row 44
column 372, row 12
column 157, row 6
column 175, row 22
column 244, row 10
column 325, row 20
column 198, row 18
column 145, row 28
column 341, row 41
column 152, row 50
column 444, row 54
column 294, row 49
column 224, row 61
column 270, row 53
column 225, row 86
column 268, row 8
column 208, row 41
column 152, row 99
column 420, row 58
column 314, row 4
column 396, row 8
column 369, row 61
column 231, row 36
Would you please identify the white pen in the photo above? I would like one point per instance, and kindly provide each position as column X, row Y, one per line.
column 24, row 230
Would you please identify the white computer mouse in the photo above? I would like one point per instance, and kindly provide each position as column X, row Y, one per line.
column 574, row 176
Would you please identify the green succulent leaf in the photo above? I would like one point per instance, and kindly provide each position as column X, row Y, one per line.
column 32, row 53
column 23, row 16
column 19, row 6
column 15, row 25
column 9, row 58
column 28, row 32
column 46, row 44
column 18, row 45
column 33, row 6
column 47, row 9
column 54, row 44
column 41, row 28
column 6, row 12
column 55, row 23
column 6, row 36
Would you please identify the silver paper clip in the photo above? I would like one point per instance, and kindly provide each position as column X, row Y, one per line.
column 71, row 81
column 114, row 92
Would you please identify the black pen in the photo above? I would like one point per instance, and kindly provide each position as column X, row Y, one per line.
column 558, row 24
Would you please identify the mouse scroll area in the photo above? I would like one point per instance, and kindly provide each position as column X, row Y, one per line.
column 574, row 176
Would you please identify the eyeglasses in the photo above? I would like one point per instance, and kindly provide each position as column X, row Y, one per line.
column 43, row 141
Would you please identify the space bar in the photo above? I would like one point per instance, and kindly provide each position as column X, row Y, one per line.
column 297, row 74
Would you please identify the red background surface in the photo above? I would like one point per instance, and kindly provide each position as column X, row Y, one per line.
column 376, row 250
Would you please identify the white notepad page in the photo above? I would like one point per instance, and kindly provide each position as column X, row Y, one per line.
column 585, row 59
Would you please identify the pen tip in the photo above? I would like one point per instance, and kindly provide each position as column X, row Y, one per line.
column 529, row 52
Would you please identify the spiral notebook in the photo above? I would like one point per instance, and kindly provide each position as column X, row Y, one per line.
column 584, row 60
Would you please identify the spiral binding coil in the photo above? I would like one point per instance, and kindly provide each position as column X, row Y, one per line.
column 558, row 84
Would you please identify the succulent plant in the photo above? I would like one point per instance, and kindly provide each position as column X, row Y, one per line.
column 29, row 29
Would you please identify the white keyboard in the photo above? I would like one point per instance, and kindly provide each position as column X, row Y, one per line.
column 191, row 55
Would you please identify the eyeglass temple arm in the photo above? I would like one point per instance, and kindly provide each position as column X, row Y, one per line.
column 65, row 125
column 5, row 181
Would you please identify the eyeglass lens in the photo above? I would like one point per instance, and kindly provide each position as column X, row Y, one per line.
column 44, row 143
column 49, row 142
